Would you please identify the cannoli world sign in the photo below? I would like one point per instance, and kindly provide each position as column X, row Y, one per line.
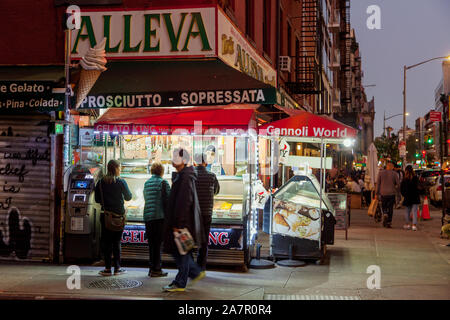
column 159, row 33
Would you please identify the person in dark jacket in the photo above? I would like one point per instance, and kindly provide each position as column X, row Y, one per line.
column 115, row 191
column 180, row 214
column 410, row 191
column 156, row 196
column 207, row 186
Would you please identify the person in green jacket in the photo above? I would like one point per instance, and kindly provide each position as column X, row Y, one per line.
column 156, row 196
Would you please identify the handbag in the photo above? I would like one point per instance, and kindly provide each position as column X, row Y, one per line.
column 183, row 240
column 113, row 221
column 372, row 208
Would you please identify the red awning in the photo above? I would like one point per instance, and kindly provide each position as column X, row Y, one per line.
column 168, row 120
column 308, row 125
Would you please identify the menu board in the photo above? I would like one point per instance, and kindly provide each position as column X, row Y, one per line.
column 296, row 220
column 340, row 204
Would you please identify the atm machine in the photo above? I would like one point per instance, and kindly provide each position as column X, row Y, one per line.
column 82, row 219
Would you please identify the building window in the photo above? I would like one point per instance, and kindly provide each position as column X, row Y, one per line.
column 250, row 18
column 289, row 40
column 266, row 26
column 297, row 58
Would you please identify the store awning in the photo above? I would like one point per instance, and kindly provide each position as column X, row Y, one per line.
column 304, row 124
column 230, row 119
column 168, row 83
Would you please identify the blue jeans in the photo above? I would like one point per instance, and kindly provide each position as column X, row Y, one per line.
column 187, row 268
column 412, row 209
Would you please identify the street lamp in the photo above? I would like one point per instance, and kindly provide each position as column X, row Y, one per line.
column 405, row 68
column 384, row 119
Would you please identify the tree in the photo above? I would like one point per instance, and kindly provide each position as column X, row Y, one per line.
column 411, row 148
column 387, row 147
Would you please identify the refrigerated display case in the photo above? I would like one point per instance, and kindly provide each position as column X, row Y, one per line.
column 302, row 219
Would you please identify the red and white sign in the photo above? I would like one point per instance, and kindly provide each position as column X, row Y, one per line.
column 307, row 124
column 435, row 116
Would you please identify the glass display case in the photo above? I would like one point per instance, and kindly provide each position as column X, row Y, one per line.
column 297, row 208
column 228, row 203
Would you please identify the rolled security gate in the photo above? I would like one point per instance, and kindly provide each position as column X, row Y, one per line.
column 26, row 208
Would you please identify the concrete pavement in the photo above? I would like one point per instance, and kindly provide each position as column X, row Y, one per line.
column 413, row 265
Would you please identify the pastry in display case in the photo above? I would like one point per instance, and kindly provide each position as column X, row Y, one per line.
column 228, row 204
column 296, row 208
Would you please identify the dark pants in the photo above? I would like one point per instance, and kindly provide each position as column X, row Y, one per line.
column 203, row 250
column 111, row 246
column 187, row 268
column 387, row 204
column 154, row 231
column 367, row 197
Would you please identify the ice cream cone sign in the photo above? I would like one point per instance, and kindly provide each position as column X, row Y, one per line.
column 92, row 65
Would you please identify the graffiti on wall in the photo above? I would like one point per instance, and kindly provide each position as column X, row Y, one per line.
column 17, row 164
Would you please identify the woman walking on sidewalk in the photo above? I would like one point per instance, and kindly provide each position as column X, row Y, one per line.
column 111, row 191
column 410, row 191
column 156, row 196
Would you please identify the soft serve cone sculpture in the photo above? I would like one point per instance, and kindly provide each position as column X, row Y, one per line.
column 92, row 65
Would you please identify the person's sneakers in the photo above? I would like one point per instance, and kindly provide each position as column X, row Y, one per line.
column 200, row 276
column 173, row 288
column 105, row 272
column 119, row 272
column 156, row 274
column 407, row 227
column 414, row 228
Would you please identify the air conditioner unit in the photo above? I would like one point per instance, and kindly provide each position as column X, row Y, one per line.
column 285, row 63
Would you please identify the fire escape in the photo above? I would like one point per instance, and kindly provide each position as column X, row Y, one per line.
column 346, row 68
column 308, row 62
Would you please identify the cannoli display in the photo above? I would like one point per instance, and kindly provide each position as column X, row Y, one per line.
column 296, row 220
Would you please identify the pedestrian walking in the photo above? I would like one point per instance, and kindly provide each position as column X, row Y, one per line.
column 181, row 214
column 156, row 196
column 410, row 190
column 111, row 191
column 387, row 189
column 207, row 186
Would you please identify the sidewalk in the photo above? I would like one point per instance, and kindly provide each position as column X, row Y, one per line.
column 414, row 265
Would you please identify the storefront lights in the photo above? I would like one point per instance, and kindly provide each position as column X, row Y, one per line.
column 348, row 142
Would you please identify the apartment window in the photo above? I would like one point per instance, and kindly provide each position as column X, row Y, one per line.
column 250, row 18
column 289, row 40
column 281, row 34
column 266, row 25
column 297, row 58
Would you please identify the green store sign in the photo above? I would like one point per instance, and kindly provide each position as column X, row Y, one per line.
column 149, row 33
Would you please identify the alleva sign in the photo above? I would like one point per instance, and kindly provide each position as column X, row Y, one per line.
column 148, row 33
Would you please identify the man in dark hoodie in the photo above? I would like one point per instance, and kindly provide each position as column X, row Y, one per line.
column 207, row 186
column 183, row 206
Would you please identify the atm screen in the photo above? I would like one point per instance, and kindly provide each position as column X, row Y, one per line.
column 81, row 184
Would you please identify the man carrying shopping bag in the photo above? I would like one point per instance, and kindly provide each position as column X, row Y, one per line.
column 181, row 215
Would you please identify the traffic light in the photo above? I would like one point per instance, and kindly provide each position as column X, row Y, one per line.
column 430, row 140
column 424, row 153
column 417, row 155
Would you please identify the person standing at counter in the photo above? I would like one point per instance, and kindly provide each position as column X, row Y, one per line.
column 207, row 187
column 210, row 157
column 156, row 196
column 181, row 214
column 115, row 190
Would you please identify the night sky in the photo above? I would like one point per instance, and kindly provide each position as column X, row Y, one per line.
column 412, row 31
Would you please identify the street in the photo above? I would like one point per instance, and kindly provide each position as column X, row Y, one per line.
column 413, row 265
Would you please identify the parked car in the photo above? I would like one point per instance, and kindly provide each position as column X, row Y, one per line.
column 428, row 178
column 436, row 190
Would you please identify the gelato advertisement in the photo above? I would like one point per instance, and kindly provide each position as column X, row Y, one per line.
column 296, row 220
